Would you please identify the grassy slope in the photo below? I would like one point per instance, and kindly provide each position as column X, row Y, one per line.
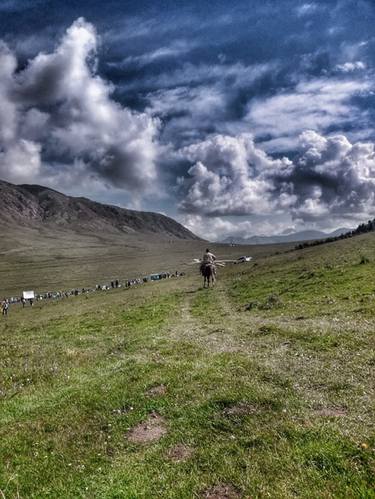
column 269, row 383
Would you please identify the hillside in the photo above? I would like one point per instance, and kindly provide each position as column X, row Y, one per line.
column 305, row 235
column 38, row 206
column 49, row 242
column 260, row 387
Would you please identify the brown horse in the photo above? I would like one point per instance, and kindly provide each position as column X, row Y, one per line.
column 208, row 272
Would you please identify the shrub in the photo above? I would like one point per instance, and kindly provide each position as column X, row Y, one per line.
column 272, row 301
column 363, row 260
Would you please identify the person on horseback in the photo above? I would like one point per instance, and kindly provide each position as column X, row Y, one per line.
column 207, row 268
column 208, row 259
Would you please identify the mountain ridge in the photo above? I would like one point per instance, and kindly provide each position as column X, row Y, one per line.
column 40, row 206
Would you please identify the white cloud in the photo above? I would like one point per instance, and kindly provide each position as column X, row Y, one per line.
column 186, row 111
column 58, row 109
column 237, row 74
column 195, row 99
column 176, row 49
column 198, row 101
column 23, row 160
column 8, row 111
column 216, row 229
column 317, row 104
column 219, row 229
column 337, row 178
column 351, row 67
column 329, row 177
column 307, row 9
column 230, row 176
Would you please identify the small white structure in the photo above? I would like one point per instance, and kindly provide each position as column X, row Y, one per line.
column 28, row 295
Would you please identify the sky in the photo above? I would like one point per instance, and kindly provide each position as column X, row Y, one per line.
column 235, row 118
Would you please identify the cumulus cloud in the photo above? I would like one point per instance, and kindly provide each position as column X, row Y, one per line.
column 216, row 229
column 328, row 177
column 58, row 123
column 230, row 176
column 334, row 177
column 22, row 153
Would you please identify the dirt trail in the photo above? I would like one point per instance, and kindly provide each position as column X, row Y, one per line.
column 187, row 327
column 216, row 335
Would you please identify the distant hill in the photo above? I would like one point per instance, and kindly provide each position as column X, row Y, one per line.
column 306, row 235
column 363, row 228
column 38, row 206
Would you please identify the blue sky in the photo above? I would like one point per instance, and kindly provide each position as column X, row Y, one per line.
column 236, row 119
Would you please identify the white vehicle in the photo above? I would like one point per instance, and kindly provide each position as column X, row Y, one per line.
column 243, row 259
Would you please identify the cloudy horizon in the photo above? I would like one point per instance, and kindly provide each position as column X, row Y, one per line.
column 235, row 121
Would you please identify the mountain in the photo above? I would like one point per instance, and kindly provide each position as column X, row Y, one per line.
column 38, row 206
column 306, row 235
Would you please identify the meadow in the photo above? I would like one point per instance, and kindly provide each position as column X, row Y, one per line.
column 260, row 387
column 52, row 259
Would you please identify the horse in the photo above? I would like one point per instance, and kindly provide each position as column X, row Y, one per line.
column 209, row 274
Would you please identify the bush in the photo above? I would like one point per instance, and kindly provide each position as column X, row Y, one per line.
column 363, row 260
column 272, row 301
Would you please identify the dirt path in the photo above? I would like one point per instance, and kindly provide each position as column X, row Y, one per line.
column 186, row 326
column 213, row 334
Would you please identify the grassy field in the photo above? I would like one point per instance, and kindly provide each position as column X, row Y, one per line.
column 54, row 260
column 260, row 387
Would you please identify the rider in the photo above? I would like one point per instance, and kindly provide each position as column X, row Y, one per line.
column 208, row 259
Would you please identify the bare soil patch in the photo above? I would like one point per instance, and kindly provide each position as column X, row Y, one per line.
column 179, row 453
column 331, row 412
column 149, row 431
column 222, row 491
column 240, row 409
column 157, row 391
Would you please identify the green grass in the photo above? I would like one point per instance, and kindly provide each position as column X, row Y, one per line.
column 52, row 259
column 275, row 399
